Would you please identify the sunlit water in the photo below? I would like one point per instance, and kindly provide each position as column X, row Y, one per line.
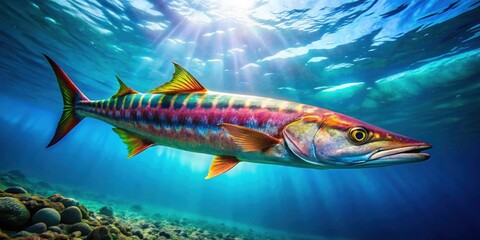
column 410, row 67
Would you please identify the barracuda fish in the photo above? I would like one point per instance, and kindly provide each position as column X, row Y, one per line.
column 185, row 115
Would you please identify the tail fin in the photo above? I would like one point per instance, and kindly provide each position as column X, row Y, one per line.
column 71, row 94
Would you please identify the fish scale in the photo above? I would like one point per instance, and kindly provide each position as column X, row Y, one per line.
column 179, row 106
column 185, row 115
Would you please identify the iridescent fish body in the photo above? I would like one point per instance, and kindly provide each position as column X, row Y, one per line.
column 183, row 114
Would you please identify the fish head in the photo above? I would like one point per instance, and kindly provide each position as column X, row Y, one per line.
column 338, row 141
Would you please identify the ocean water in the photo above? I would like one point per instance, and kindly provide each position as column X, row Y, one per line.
column 412, row 67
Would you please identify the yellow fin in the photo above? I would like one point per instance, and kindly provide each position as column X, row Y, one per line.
column 124, row 89
column 220, row 165
column 182, row 82
column 248, row 139
column 135, row 143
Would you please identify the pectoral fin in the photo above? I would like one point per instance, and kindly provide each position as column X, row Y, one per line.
column 248, row 139
column 220, row 165
column 135, row 143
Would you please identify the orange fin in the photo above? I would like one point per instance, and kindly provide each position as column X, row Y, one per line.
column 220, row 165
column 182, row 82
column 135, row 143
column 248, row 139
column 124, row 89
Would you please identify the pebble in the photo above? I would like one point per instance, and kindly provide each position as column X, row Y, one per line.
column 55, row 229
column 69, row 202
column 23, row 234
column 16, row 173
column 37, row 228
column 49, row 216
column 81, row 227
column 76, row 234
column 71, row 215
column 13, row 213
column 99, row 233
column 164, row 234
column 106, row 210
column 138, row 233
column 16, row 190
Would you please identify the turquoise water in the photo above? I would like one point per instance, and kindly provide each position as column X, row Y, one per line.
column 410, row 67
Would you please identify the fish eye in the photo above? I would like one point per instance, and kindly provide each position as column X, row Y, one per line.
column 358, row 135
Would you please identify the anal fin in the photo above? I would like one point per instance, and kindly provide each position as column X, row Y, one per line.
column 248, row 139
column 135, row 143
column 220, row 165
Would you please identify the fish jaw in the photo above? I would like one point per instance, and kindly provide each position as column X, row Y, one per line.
column 399, row 155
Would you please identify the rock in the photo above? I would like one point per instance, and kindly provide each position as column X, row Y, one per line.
column 62, row 237
column 47, row 235
column 93, row 222
column 55, row 229
column 81, row 227
column 99, row 233
column 138, row 233
column 124, row 229
column 164, row 234
column 68, row 202
column 145, row 225
column 16, row 174
column 37, row 228
column 56, row 198
column 13, row 213
column 85, row 213
column 16, row 190
column 71, row 215
column 106, row 210
column 34, row 203
column 22, row 234
column 49, row 216
column 114, row 230
column 4, row 236
column 43, row 184
column 137, row 208
column 76, row 234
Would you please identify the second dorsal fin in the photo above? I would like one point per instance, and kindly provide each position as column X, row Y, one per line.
column 182, row 82
column 124, row 89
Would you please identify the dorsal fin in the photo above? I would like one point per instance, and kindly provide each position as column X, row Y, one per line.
column 182, row 82
column 124, row 89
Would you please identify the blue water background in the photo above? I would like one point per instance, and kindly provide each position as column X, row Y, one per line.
column 410, row 67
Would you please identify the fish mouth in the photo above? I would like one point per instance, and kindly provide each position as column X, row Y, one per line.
column 402, row 154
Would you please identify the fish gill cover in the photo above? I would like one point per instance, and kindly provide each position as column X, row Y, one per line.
column 408, row 66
